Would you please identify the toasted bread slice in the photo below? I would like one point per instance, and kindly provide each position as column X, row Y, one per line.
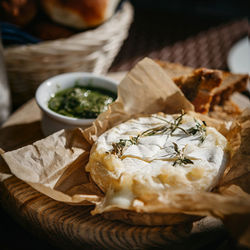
column 175, row 70
column 198, row 87
column 230, row 84
column 203, row 87
column 229, row 111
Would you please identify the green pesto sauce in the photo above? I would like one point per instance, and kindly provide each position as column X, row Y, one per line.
column 81, row 102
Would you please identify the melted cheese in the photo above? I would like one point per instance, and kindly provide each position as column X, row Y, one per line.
column 150, row 166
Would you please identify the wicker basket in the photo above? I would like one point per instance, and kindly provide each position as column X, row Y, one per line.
column 90, row 51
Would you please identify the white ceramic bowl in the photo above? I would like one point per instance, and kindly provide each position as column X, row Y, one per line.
column 52, row 121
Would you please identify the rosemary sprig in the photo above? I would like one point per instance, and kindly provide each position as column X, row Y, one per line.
column 118, row 147
column 177, row 123
column 199, row 128
column 181, row 159
column 168, row 127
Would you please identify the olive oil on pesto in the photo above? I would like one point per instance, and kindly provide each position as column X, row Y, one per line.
column 81, row 101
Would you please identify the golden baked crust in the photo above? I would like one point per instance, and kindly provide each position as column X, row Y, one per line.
column 175, row 70
column 207, row 87
column 198, row 87
column 228, row 112
column 230, row 83
column 79, row 13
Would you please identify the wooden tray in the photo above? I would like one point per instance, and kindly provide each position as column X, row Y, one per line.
column 72, row 226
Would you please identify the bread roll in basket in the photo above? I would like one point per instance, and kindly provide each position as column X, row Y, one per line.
column 91, row 51
column 80, row 14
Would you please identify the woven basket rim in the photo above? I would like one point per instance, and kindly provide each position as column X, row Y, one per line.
column 89, row 51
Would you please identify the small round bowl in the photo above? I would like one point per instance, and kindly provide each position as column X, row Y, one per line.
column 52, row 121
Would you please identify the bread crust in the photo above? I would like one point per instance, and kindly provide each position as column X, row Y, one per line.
column 78, row 13
column 208, row 87
column 198, row 87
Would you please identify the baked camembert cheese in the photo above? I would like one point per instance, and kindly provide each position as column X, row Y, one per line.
column 144, row 157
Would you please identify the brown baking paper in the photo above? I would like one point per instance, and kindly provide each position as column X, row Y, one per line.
column 55, row 165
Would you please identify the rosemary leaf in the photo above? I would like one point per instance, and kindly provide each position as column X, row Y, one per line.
column 168, row 127
column 118, row 147
column 181, row 159
column 200, row 129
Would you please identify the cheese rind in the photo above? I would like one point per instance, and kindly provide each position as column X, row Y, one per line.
column 151, row 165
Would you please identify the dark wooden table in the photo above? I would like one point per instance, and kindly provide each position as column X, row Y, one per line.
column 166, row 36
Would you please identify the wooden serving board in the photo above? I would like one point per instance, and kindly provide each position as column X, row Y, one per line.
column 67, row 226
column 72, row 226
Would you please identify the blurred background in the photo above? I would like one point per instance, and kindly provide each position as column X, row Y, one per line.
column 197, row 33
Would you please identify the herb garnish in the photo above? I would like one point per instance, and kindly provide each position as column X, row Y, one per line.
column 169, row 127
column 180, row 158
column 118, row 147
column 199, row 128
